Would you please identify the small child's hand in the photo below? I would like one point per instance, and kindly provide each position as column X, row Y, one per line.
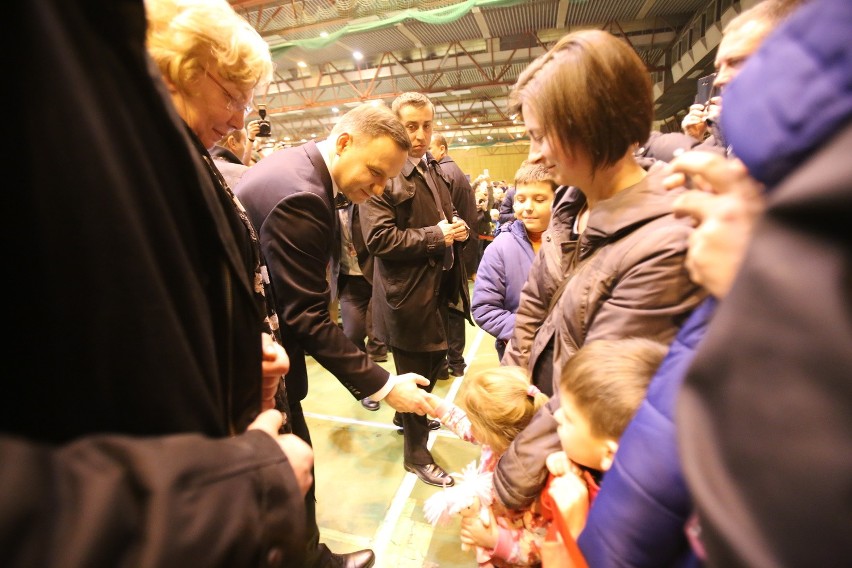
column 434, row 403
column 571, row 496
column 479, row 530
column 558, row 463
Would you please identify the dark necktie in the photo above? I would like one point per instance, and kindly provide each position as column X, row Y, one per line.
column 427, row 176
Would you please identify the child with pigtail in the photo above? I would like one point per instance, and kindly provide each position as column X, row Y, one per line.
column 494, row 405
column 600, row 390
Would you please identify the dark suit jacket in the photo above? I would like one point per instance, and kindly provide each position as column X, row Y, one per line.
column 463, row 200
column 288, row 196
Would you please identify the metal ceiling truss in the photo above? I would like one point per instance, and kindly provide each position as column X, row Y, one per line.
column 467, row 66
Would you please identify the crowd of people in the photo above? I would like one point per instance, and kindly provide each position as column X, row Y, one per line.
column 671, row 312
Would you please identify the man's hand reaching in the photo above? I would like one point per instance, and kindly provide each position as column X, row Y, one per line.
column 406, row 396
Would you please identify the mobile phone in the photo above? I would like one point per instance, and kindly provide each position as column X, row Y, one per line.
column 704, row 89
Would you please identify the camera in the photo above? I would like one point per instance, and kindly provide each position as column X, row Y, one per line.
column 265, row 125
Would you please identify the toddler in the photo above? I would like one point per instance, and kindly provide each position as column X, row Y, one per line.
column 600, row 390
column 495, row 404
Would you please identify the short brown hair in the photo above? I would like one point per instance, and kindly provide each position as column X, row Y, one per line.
column 595, row 92
column 373, row 121
column 439, row 140
column 608, row 379
column 533, row 173
column 417, row 100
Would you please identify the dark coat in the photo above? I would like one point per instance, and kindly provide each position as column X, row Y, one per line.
column 465, row 203
column 289, row 197
column 764, row 414
column 135, row 352
column 409, row 282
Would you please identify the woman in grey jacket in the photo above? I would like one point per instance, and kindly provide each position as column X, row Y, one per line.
column 617, row 267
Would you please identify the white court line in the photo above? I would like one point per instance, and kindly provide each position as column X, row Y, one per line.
column 384, row 533
column 382, row 539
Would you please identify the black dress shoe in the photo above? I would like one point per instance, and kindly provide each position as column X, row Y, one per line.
column 358, row 559
column 370, row 404
column 430, row 473
column 457, row 371
column 433, row 424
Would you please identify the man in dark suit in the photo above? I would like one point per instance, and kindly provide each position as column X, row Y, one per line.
column 462, row 195
column 289, row 196
column 411, row 230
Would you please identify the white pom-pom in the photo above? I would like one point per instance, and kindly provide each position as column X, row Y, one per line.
column 470, row 483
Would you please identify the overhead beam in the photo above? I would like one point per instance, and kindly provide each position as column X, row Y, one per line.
column 481, row 23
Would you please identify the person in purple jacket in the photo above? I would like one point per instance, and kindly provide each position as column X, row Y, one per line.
column 506, row 262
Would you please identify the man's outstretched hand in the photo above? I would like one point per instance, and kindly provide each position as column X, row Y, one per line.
column 407, row 396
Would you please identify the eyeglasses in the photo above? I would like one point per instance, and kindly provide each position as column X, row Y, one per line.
column 233, row 104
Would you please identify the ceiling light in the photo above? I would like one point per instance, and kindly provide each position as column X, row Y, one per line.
column 323, row 34
column 357, row 55
column 335, row 110
column 302, row 64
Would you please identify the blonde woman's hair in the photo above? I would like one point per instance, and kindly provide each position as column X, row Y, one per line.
column 188, row 37
column 498, row 404
column 608, row 379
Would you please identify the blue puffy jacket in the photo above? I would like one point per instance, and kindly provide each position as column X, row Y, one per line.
column 639, row 515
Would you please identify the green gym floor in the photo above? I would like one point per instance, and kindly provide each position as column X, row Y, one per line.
column 365, row 499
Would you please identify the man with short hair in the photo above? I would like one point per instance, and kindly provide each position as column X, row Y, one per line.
column 411, row 230
column 290, row 198
column 232, row 155
column 462, row 195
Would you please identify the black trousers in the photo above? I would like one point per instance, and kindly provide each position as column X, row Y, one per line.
column 317, row 555
column 415, row 429
column 356, row 313
column 455, row 339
